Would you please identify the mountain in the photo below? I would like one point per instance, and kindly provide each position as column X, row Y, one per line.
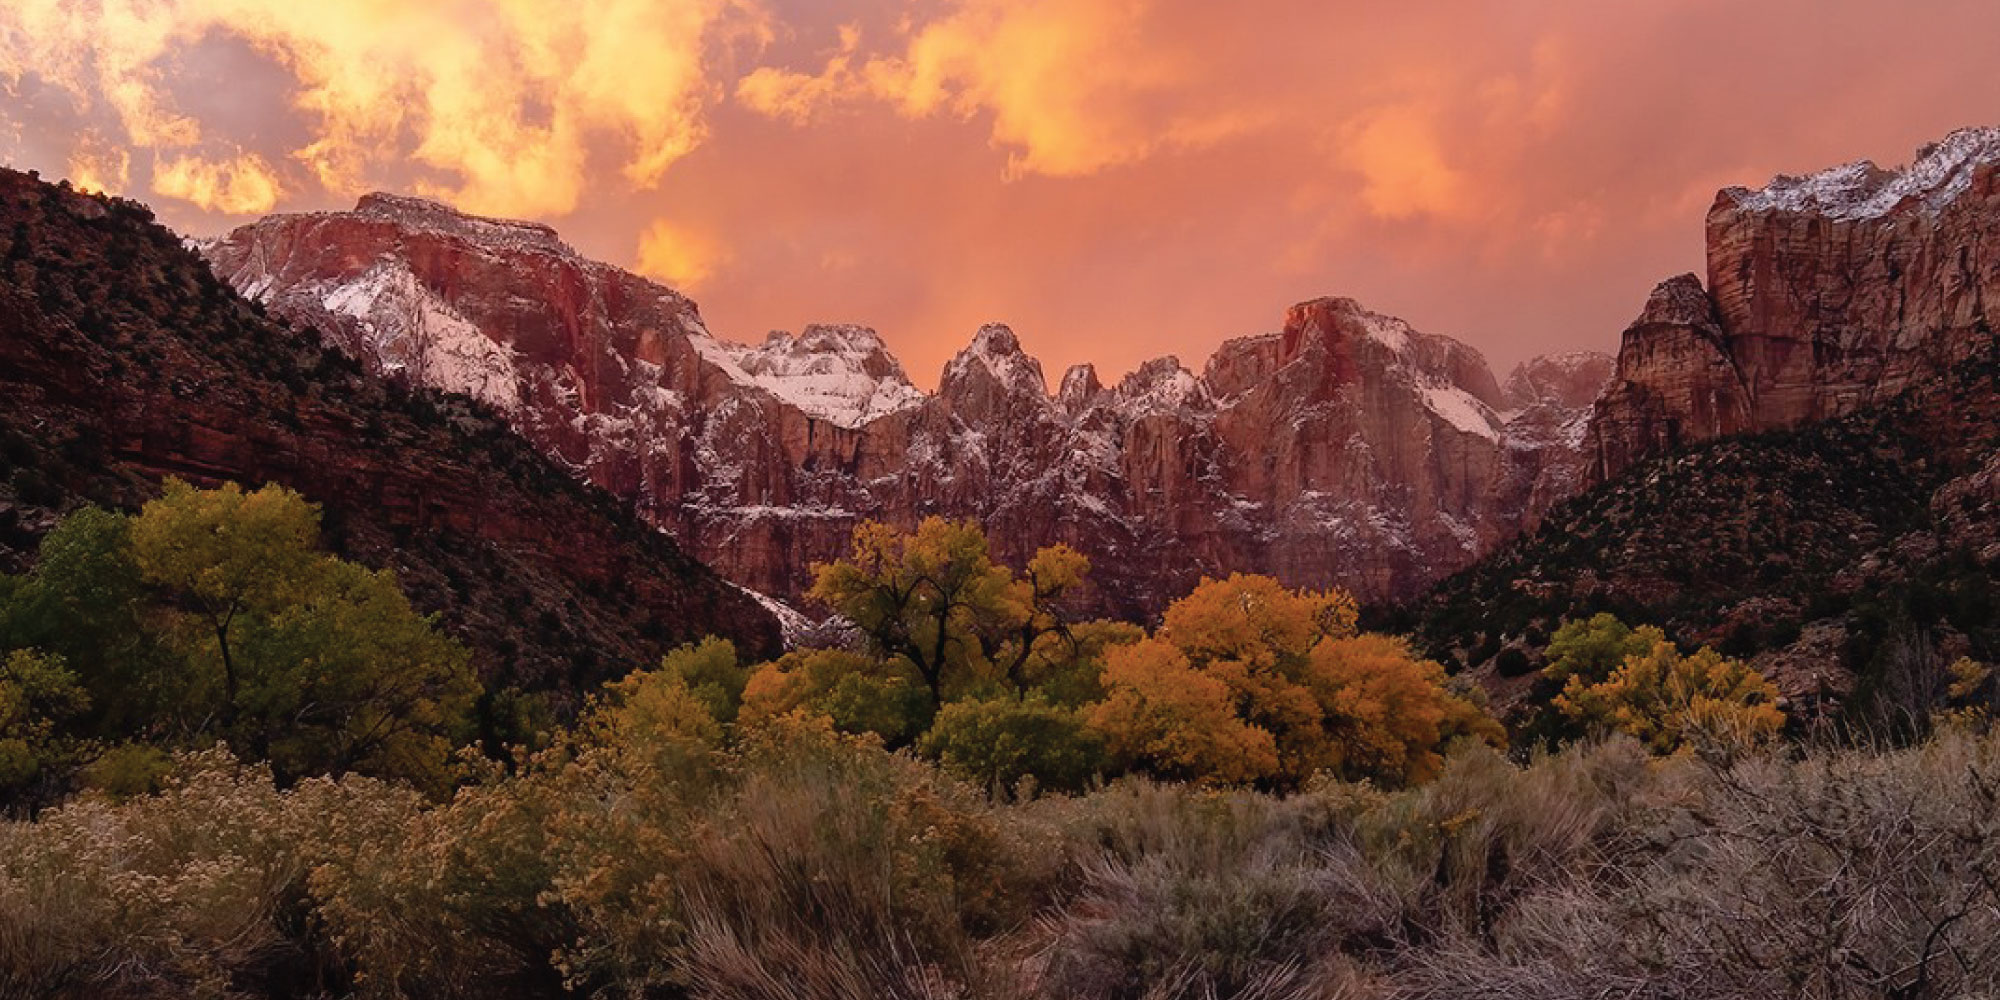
column 1346, row 448
column 123, row 360
column 1800, row 461
column 1825, row 294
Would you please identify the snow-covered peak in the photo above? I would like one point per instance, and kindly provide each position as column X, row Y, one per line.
column 1079, row 386
column 430, row 216
column 841, row 374
column 1160, row 385
column 1345, row 317
column 996, row 352
column 1861, row 190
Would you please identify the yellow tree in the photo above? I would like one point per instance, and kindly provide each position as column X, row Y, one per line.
column 1388, row 713
column 1163, row 715
column 225, row 554
column 936, row 599
column 1671, row 702
column 1257, row 636
column 1247, row 655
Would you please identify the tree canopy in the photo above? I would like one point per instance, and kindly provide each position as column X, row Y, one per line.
column 213, row 615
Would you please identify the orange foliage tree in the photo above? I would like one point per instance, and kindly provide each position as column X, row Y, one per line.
column 1282, row 681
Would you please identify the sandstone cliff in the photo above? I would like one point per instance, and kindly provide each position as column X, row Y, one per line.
column 1824, row 294
column 1344, row 449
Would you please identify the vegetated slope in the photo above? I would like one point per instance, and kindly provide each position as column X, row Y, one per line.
column 123, row 360
column 1864, row 548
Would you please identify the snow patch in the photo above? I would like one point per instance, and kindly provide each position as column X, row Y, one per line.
column 1461, row 410
column 1941, row 172
column 793, row 625
column 415, row 332
column 843, row 375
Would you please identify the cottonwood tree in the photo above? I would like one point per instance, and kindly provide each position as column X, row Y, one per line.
column 937, row 599
column 246, row 632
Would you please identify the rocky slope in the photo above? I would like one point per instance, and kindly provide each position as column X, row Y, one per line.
column 1799, row 461
column 1345, row 448
column 1824, row 294
column 123, row 360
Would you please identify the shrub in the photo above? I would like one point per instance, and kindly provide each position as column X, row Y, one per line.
column 995, row 744
column 195, row 891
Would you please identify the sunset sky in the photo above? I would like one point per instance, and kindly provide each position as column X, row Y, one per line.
column 1117, row 179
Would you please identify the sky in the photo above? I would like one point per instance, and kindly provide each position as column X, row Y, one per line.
column 1116, row 179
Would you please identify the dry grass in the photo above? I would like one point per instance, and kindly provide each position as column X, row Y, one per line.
column 822, row 869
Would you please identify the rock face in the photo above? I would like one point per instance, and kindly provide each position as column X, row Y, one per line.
column 1824, row 294
column 123, row 360
column 1345, row 449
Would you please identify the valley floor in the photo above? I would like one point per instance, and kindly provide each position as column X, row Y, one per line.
column 803, row 864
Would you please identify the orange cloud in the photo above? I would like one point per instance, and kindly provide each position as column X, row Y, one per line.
column 1118, row 179
column 1072, row 86
column 1402, row 164
column 240, row 185
column 506, row 100
column 100, row 168
column 678, row 256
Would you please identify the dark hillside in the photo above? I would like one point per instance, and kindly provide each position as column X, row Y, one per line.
column 123, row 360
column 1825, row 551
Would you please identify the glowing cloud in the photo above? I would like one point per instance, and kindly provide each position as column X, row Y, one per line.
column 505, row 101
column 677, row 256
column 241, row 185
column 1070, row 86
column 1403, row 168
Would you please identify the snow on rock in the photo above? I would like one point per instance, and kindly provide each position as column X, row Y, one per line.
column 419, row 214
column 1461, row 410
column 793, row 625
column 841, row 374
column 1346, row 449
column 1160, row 386
column 411, row 331
column 1861, row 190
column 996, row 352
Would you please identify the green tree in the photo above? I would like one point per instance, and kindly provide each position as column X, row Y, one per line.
column 224, row 554
column 212, row 614
column 1590, row 649
column 857, row 693
column 712, row 675
column 936, row 599
column 349, row 677
column 37, row 694
column 998, row 742
column 85, row 602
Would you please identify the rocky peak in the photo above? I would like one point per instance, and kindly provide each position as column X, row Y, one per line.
column 841, row 374
column 1080, row 388
column 1571, row 380
column 1161, row 385
column 1347, row 449
column 1337, row 323
column 1861, row 190
column 1825, row 293
column 1240, row 364
column 992, row 375
column 420, row 214
column 1679, row 300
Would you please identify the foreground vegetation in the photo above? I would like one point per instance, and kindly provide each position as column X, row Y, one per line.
column 231, row 762
column 643, row 858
